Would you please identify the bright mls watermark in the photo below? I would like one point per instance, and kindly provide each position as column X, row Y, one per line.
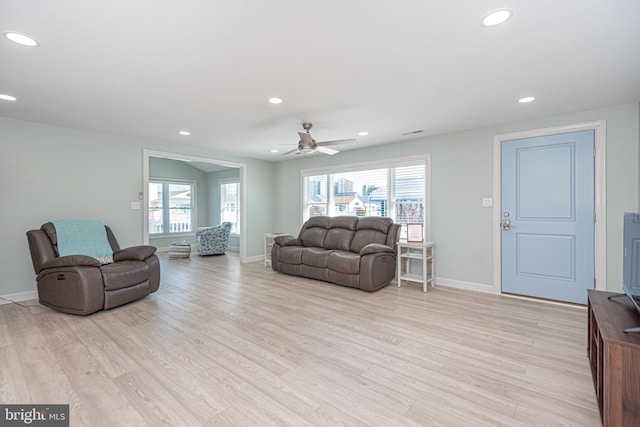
column 34, row 415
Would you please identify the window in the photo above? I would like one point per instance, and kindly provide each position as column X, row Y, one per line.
column 171, row 206
column 395, row 189
column 230, row 203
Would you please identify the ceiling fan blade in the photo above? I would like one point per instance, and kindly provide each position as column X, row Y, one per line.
column 306, row 138
column 295, row 150
column 329, row 151
column 337, row 142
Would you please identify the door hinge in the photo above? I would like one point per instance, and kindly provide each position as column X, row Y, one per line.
column 594, row 217
column 594, row 152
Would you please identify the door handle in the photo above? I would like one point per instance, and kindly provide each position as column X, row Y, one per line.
column 506, row 225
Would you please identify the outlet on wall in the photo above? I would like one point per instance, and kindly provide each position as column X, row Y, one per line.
column 487, row 201
column 135, row 205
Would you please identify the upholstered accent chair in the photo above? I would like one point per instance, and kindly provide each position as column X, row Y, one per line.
column 80, row 284
column 213, row 240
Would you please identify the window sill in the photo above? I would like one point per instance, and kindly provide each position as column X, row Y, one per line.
column 170, row 235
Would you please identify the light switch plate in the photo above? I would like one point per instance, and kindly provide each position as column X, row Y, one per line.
column 487, row 201
column 135, row 205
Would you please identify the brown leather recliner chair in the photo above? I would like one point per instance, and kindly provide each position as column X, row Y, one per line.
column 79, row 284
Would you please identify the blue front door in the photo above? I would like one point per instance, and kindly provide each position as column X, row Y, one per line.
column 548, row 216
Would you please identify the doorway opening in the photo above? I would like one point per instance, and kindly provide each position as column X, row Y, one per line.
column 215, row 171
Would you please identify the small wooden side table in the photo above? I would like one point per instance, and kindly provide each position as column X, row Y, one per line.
column 423, row 251
column 268, row 243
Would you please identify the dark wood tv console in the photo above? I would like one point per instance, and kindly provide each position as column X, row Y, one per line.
column 615, row 358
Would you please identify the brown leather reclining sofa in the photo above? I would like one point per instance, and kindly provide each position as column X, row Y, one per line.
column 359, row 252
column 79, row 284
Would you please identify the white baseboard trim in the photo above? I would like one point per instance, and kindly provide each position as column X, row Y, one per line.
column 254, row 258
column 19, row 297
column 193, row 249
column 469, row 286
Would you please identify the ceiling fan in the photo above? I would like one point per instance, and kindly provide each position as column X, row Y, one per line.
column 308, row 145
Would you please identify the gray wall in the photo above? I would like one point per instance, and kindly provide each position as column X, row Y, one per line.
column 49, row 172
column 462, row 174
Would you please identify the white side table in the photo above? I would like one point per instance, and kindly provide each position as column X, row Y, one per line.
column 268, row 243
column 423, row 251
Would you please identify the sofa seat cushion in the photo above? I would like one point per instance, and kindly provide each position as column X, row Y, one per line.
column 344, row 262
column 123, row 274
column 290, row 255
column 316, row 257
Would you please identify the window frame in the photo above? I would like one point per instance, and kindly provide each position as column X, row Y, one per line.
column 236, row 181
column 166, row 210
column 378, row 164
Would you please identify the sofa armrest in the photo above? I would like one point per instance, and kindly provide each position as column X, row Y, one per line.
column 287, row 241
column 376, row 248
column 72, row 261
column 135, row 253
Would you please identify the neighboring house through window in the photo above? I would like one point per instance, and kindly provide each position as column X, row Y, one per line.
column 230, row 203
column 171, row 207
column 396, row 188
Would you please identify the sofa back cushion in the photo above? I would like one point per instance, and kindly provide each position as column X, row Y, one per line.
column 314, row 231
column 370, row 230
column 341, row 231
column 347, row 233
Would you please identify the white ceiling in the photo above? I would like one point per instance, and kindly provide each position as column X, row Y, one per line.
column 148, row 68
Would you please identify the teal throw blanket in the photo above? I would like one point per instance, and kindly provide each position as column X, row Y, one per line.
column 83, row 237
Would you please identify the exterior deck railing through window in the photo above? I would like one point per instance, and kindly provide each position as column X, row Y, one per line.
column 174, row 227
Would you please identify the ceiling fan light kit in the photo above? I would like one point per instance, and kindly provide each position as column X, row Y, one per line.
column 308, row 145
column 305, row 149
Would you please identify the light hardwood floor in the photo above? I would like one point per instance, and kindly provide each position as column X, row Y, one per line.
column 227, row 344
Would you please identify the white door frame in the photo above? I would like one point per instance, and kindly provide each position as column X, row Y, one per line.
column 146, row 153
column 600, row 232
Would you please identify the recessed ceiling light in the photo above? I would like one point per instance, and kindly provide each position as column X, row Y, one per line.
column 6, row 97
column 22, row 39
column 275, row 100
column 274, row 150
column 526, row 99
column 497, row 17
column 363, row 133
column 184, row 133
